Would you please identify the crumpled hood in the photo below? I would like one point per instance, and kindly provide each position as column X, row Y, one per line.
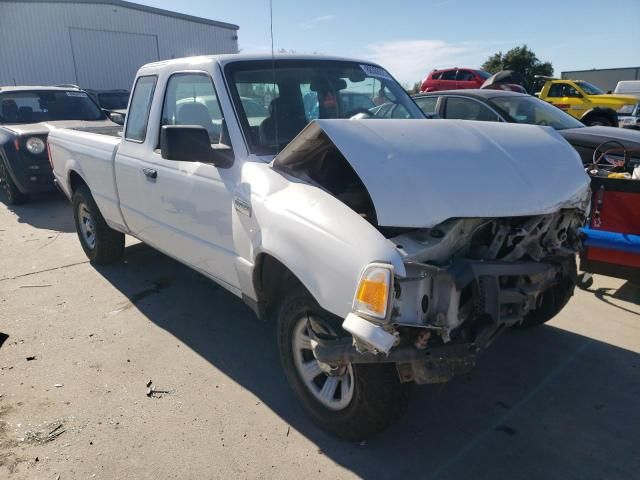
column 420, row 173
column 42, row 128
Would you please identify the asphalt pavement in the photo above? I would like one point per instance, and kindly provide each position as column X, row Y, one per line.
column 79, row 345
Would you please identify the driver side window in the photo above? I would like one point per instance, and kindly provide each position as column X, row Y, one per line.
column 559, row 90
column 191, row 99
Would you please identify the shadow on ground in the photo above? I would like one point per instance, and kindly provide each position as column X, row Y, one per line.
column 543, row 403
column 56, row 216
column 628, row 292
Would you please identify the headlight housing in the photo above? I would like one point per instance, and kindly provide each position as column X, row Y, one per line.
column 373, row 294
column 627, row 109
column 35, row 145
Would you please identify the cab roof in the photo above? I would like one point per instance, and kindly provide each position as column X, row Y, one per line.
column 226, row 59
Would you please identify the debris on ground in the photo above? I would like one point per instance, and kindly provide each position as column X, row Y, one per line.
column 55, row 433
column 36, row 286
column 46, row 435
column 58, row 385
column 153, row 393
column 32, row 357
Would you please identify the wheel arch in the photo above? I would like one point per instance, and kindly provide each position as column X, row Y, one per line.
column 270, row 278
column 609, row 113
column 75, row 180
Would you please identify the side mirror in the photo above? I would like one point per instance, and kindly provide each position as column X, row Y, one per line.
column 191, row 143
column 116, row 117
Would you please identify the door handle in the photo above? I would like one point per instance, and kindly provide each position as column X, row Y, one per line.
column 150, row 172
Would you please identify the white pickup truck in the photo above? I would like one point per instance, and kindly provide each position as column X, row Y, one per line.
column 389, row 251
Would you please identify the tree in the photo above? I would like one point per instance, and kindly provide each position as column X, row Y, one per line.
column 521, row 60
column 412, row 90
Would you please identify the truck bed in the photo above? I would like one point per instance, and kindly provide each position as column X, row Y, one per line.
column 89, row 153
column 112, row 131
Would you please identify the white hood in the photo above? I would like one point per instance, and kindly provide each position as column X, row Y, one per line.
column 420, row 173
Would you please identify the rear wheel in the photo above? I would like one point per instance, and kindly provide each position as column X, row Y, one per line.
column 10, row 189
column 352, row 401
column 100, row 243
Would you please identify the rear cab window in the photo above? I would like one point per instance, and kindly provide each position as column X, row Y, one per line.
column 138, row 114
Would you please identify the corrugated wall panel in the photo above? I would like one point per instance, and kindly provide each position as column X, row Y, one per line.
column 36, row 40
column 606, row 78
column 95, row 51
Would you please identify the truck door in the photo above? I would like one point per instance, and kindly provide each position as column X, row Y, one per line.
column 131, row 150
column 566, row 97
column 187, row 206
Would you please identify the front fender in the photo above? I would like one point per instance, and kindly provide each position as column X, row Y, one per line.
column 324, row 243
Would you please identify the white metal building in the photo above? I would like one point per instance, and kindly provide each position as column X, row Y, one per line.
column 98, row 44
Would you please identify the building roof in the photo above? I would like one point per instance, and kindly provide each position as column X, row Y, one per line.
column 137, row 6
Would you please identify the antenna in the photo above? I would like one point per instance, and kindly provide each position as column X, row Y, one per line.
column 273, row 71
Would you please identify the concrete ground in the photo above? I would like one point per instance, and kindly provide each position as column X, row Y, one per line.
column 78, row 345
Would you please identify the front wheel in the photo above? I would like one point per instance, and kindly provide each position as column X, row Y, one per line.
column 598, row 120
column 100, row 243
column 11, row 191
column 550, row 303
column 352, row 401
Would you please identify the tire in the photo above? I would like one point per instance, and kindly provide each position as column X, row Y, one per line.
column 371, row 396
column 100, row 243
column 551, row 303
column 12, row 193
column 598, row 120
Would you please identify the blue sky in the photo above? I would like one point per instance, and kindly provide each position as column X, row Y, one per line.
column 410, row 38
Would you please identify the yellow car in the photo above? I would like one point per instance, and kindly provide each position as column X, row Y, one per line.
column 588, row 103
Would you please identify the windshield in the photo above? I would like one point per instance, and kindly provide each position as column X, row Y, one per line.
column 589, row 88
column 484, row 75
column 526, row 109
column 276, row 100
column 47, row 105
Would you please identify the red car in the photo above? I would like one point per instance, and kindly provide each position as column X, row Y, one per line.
column 453, row 79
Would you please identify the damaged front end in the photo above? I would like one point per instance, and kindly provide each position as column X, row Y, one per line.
column 466, row 280
column 483, row 216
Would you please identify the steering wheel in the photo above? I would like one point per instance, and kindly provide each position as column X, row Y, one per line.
column 357, row 111
column 603, row 156
column 543, row 123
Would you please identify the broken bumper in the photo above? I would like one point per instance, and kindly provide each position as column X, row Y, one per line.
column 499, row 294
column 434, row 365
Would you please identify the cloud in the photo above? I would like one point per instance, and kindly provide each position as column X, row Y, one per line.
column 410, row 60
column 310, row 23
